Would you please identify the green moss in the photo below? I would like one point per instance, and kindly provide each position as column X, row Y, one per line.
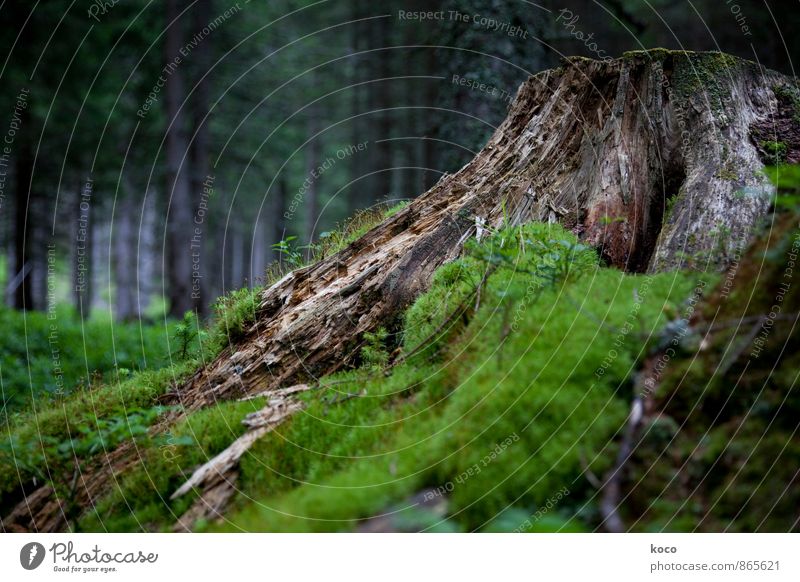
column 505, row 389
column 234, row 314
column 728, row 172
column 392, row 210
column 656, row 54
column 736, row 404
column 774, row 152
column 705, row 76
column 88, row 353
column 141, row 498
column 501, row 376
column 790, row 94
column 85, row 409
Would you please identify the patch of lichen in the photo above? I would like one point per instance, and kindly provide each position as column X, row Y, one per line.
column 655, row 54
column 789, row 95
column 705, row 76
column 773, row 152
column 728, row 172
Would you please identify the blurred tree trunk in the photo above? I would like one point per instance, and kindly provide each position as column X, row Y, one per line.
column 21, row 279
column 428, row 158
column 179, row 212
column 238, row 261
column 146, row 252
column 380, row 101
column 10, row 252
column 125, row 263
column 202, row 15
column 258, row 251
column 82, row 245
column 314, row 147
column 279, row 208
column 38, row 237
column 358, row 185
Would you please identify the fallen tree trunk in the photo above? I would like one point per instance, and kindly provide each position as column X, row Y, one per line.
column 642, row 157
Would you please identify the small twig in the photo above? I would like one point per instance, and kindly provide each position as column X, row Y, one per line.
column 588, row 473
column 731, row 360
column 612, row 484
column 339, row 398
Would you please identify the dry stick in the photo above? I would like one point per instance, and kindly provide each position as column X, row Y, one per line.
column 732, row 359
column 612, row 486
column 588, row 473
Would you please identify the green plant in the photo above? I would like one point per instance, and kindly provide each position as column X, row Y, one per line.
column 721, row 234
column 786, row 180
column 187, row 332
column 790, row 95
column 392, row 210
column 290, row 253
column 564, row 258
column 669, row 207
column 374, row 353
column 62, row 354
column 61, row 462
column 233, row 313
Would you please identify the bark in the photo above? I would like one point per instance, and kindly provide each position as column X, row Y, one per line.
column 597, row 146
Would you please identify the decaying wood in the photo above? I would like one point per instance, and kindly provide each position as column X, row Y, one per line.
column 259, row 424
column 212, row 502
column 216, row 479
column 601, row 147
column 279, row 393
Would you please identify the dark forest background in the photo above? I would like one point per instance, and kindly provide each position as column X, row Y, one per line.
column 152, row 146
